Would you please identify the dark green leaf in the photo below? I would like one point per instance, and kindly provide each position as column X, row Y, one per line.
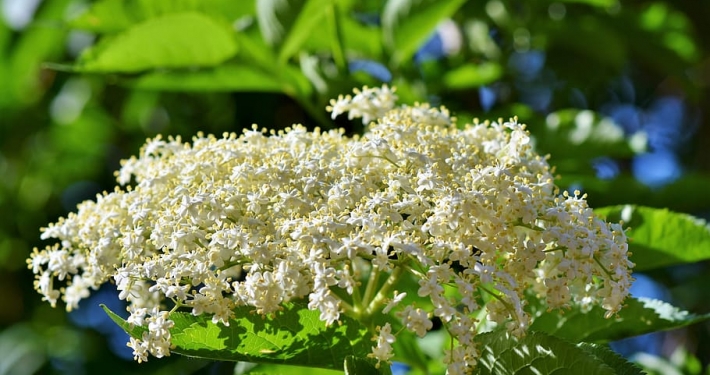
column 180, row 40
column 535, row 353
column 407, row 24
column 620, row 365
column 661, row 238
column 639, row 316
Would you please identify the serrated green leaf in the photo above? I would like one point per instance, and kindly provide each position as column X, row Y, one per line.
column 620, row 365
column 406, row 24
column 535, row 353
column 295, row 336
column 365, row 366
column 309, row 18
column 133, row 331
column 639, row 316
column 659, row 237
column 572, row 134
column 180, row 40
column 226, row 77
column 473, row 75
column 106, row 16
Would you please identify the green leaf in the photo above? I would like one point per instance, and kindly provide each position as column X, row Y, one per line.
column 535, row 353
column 639, row 316
column 365, row 366
column 131, row 330
column 180, row 40
column 620, row 365
column 294, row 336
column 661, row 238
column 472, row 75
column 310, row 17
column 407, row 24
column 226, row 77
column 106, row 16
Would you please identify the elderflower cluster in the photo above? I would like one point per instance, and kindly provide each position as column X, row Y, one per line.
column 472, row 214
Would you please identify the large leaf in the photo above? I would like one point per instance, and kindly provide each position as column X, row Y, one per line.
column 661, row 238
column 226, row 77
column 180, row 40
column 538, row 353
column 407, row 24
column 639, row 316
column 294, row 336
column 105, row 16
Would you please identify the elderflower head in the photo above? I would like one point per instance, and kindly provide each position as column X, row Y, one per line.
column 262, row 219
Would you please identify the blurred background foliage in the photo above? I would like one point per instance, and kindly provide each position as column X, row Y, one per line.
column 617, row 92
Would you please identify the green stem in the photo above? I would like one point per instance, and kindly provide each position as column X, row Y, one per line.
column 371, row 285
column 381, row 296
column 603, row 268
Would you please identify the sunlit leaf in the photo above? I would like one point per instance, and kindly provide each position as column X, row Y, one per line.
column 106, row 16
column 661, row 238
column 180, row 40
column 406, row 24
column 295, row 336
column 639, row 316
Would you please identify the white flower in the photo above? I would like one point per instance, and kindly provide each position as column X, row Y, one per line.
column 265, row 218
column 383, row 350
